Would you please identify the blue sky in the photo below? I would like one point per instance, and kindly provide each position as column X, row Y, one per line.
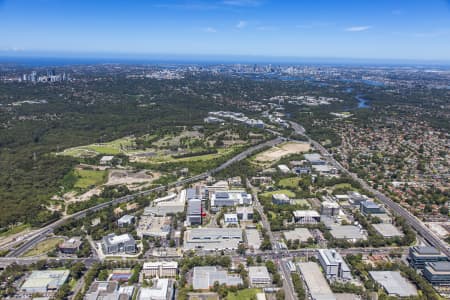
column 377, row 29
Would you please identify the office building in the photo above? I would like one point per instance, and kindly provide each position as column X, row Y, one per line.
column 244, row 213
column 160, row 269
column 194, row 212
column 212, row 239
column 356, row 198
column 118, row 244
column 301, row 170
column 280, row 199
column 394, row 283
column 437, row 273
column 204, row 277
column 126, row 220
column 170, row 204
column 162, row 289
column 315, row 159
column 370, row 208
column 230, row 198
column 48, row 281
column 334, row 265
column 70, row 246
column 306, row 216
column 329, row 208
column 105, row 290
column 420, row 255
column 259, row 276
column 230, row 219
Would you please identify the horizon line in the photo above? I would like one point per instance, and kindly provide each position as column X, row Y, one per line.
column 198, row 57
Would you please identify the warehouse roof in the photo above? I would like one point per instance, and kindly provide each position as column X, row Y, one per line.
column 315, row 281
column 394, row 283
column 387, row 230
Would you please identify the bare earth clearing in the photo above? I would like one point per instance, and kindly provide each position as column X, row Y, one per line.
column 276, row 153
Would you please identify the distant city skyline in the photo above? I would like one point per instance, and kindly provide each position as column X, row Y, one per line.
column 335, row 30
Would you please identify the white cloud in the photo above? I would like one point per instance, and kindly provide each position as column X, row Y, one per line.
column 210, row 30
column 358, row 28
column 241, row 24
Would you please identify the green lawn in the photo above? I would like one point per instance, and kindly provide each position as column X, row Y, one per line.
column 112, row 148
column 88, row 178
column 288, row 193
column 44, row 247
column 291, row 182
column 243, row 294
column 302, row 202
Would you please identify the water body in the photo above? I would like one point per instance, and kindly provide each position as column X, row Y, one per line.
column 362, row 102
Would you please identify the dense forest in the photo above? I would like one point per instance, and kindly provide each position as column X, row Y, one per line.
column 75, row 114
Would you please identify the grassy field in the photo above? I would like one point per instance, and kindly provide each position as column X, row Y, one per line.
column 289, row 182
column 288, row 193
column 243, row 294
column 14, row 230
column 112, row 148
column 302, row 202
column 88, row 178
column 43, row 247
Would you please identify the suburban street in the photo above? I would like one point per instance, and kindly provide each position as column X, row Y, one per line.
column 415, row 223
column 287, row 283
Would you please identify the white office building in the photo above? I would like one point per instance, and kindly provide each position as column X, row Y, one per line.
column 160, row 269
column 230, row 198
column 212, row 239
column 259, row 276
column 334, row 265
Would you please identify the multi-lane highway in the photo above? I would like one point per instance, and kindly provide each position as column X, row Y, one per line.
column 413, row 221
column 40, row 234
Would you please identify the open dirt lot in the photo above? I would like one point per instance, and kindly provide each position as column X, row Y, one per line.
column 275, row 153
column 131, row 179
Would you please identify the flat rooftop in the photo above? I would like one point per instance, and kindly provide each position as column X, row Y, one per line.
column 387, row 230
column 349, row 232
column 439, row 267
column 258, row 272
column 426, row 250
column 48, row 279
column 315, row 281
column 394, row 283
column 306, row 213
